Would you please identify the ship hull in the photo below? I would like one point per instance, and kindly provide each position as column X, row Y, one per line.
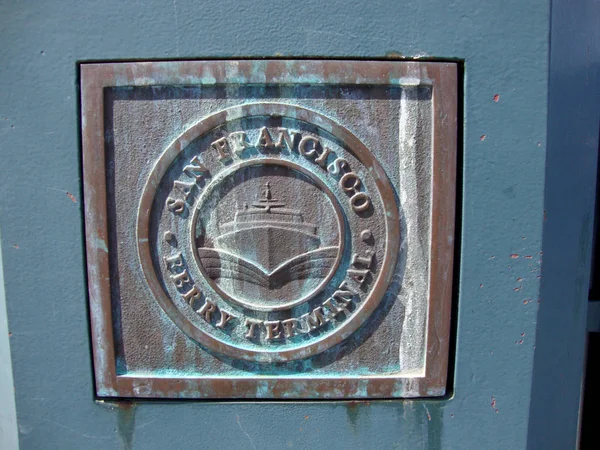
column 267, row 246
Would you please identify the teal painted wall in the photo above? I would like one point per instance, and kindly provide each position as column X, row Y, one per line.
column 505, row 49
column 8, row 417
column 571, row 173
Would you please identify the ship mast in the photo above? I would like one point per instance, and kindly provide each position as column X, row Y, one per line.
column 267, row 202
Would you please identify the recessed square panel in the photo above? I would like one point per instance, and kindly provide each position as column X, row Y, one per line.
column 270, row 229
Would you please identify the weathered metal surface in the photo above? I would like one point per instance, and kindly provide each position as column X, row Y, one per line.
column 270, row 229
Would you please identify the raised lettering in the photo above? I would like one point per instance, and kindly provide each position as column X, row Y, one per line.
column 354, row 182
column 225, row 317
column 290, row 327
column 345, row 285
column 195, row 169
column 207, row 310
column 310, row 151
column 180, row 279
column 170, row 238
column 335, row 307
column 360, row 202
column 365, row 261
column 286, row 139
column 322, row 159
column 251, row 326
column 337, row 166
column 174, row 262
column 343, row 303
column 314, row 319
column 239, row 142
column 176, row 206
column 273, row 331
column 184, row 188
column 343, row 296
column 264, row 139
column 360, row 276
column 350, row 182
column 192, row 295
column 221, row 146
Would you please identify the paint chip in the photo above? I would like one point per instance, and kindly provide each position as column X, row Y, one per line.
column 496, row 98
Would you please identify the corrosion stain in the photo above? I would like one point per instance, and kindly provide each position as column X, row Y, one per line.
column 394, row 55
column 126, row 423
column 352, row 410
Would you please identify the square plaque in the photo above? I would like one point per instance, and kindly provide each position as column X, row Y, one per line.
column 270, row 229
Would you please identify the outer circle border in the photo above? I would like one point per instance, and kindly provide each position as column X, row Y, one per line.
column 230, row 170
column 355, row 146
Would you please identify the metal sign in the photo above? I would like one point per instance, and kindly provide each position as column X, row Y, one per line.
column 270, row 229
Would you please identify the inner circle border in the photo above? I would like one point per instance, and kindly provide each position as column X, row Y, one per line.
column 292, row 166
column 354, row 146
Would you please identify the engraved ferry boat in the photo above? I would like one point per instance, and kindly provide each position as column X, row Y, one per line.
column 267, row 245
column 267, row 233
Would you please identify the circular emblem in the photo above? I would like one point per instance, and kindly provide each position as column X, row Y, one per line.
column 268, row 232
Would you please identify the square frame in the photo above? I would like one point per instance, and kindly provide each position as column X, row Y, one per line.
column 441, row 77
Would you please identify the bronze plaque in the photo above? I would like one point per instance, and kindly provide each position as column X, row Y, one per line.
column 270, row 229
